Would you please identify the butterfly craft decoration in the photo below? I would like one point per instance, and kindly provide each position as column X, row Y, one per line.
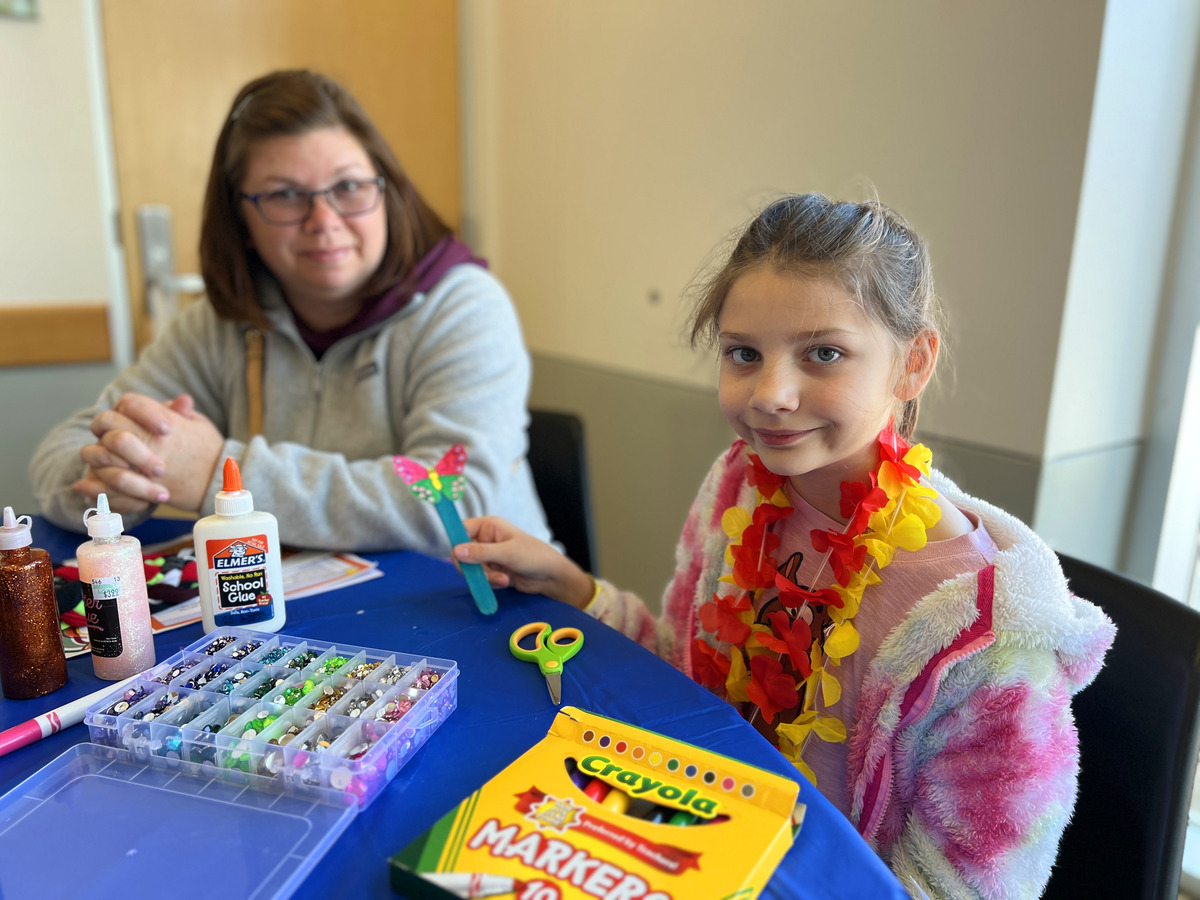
column 444, row 481
column 441, row 487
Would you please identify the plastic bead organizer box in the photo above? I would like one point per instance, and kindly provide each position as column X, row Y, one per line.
column 280, row 713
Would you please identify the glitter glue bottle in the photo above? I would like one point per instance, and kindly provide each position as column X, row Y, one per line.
column 113, row 578
column 237, row 557
column 32, row 662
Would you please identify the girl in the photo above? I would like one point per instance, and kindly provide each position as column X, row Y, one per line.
column 343, row 314
column 911, row 649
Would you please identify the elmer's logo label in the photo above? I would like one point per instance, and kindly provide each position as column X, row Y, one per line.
column 238, row 573
column 241, row 553
column 637, row 783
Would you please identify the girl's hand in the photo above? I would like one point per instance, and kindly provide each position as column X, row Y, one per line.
column 512, row 558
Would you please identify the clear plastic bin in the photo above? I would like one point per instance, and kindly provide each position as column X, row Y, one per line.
column 136, row 816
column 346, row 745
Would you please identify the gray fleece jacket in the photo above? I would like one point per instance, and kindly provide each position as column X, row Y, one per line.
column 450, row 367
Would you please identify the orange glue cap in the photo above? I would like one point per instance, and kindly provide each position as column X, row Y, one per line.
column 233, row 475
column 233, row 499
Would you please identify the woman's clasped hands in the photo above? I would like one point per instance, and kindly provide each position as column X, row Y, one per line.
column 148, row 452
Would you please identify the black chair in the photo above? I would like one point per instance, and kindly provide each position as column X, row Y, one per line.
column 559, row 465
column 1137, row 744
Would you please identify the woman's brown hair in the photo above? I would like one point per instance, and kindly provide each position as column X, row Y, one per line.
column 293, row 102
column 867, row 248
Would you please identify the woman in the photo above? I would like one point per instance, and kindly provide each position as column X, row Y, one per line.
column 344, row 324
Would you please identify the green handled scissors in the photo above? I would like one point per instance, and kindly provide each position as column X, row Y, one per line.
column 550, row 650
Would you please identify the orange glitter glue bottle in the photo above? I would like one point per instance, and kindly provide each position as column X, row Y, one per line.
column 32, row 662
column 238, row 561
column 113, row 578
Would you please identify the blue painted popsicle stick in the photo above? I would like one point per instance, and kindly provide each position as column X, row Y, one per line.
column 473, row 572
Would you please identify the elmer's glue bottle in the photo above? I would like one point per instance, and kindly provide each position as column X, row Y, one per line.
column 113, row 577
column 237, row 557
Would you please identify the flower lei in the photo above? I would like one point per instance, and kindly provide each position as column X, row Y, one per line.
column 759, row 663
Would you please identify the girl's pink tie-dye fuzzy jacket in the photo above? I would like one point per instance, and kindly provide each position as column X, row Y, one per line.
column 963, row 753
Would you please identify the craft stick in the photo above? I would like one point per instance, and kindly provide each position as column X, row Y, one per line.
column 476, row 578
column 441, row 486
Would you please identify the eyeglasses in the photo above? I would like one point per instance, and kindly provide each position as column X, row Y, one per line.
column 291, row 206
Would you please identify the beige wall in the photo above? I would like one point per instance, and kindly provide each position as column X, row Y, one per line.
column 57, row 241
column 52, row 241
column 623, row 140
column 1103, row 459
column 1123, row 235
column 610, row 147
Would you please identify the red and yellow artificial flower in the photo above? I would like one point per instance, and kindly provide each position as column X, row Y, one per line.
column 891, row 511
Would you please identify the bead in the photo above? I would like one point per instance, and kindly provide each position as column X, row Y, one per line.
column 393, row 710
column 329, row 696
column 131, row 697
column 266, row 687
column 427, row 679
column 232, row 682
column 245, row 650
column 175, row 671
column 303, row 659
column 332, row 664
column 273, row 655
column 218, row 644
column 165, row 702
column 291, row 695
column 199, row 680
column 272, row 762
column 393, row 675
column 289, row 735
column 358, row 706
column 172, row 747
column 362, row 670
column 320, row 741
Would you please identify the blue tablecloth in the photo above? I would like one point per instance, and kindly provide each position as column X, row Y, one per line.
column 422, row 606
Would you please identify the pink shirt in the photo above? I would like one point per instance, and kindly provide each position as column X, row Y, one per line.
column 909, row 578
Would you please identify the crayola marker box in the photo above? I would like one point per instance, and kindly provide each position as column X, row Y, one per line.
column 602, row 809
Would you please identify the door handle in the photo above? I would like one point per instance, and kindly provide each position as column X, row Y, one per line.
column 162, row 283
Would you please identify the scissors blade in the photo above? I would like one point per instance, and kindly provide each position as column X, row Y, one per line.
column 554, row 682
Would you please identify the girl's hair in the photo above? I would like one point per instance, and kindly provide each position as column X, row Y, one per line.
column 295, row 102
column 866, row 247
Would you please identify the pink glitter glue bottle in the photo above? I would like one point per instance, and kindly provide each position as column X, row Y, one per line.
column 114, row 596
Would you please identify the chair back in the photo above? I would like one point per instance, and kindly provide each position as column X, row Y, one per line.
column 1137, row 745
column 558, row 462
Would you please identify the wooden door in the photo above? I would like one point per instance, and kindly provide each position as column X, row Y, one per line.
column 174, row 67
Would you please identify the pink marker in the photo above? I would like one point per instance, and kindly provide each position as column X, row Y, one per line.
column 54, row 721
